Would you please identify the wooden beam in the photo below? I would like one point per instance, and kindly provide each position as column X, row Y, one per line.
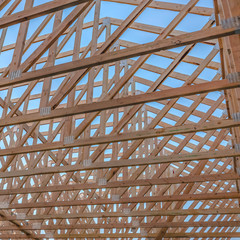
column 126, row 183
column 38, row 11
column 163, row 212
column 146, row 199
column 124, row 43
column 203, row 235
column 164, row 44
column 230, row 10
column 4, row 3
column 129, row 235
column 128, row 225
column 169, row 6
column 187, row 128
column 122, row 102
column 161, row 181
column 19, row 227
column 124, row 163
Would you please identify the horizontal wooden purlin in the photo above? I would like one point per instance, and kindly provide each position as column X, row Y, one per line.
column 76, row 236
column 128, row 225
column 147, row 199
column 203, row 235
column 177, row 212
column 205, row 11
column 188, row 128
column 124, row 43
column 38, row 11
column 126, row 235
column 127, row 183
column 122, row 102
column 124, row 163
column 168, row 175
column 143, row 49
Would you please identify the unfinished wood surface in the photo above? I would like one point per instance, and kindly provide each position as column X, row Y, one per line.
column 119, row 119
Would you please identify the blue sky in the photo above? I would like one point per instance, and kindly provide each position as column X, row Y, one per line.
column 160, row 18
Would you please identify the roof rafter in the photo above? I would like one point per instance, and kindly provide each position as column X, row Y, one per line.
column 129, row 123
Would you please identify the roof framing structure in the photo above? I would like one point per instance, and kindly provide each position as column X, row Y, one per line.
column 119, row 119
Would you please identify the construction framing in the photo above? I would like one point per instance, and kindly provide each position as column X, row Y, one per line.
column 98, row 141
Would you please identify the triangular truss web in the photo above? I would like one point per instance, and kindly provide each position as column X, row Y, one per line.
column 119, row 119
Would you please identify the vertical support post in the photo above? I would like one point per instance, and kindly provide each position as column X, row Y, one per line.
column 229, row 9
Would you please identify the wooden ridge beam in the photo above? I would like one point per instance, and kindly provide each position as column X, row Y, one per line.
column 128, row 225
column 145, row 199
column 38, row 11
column 143, row 49
column 126, row 183
column 124, row 163
column 163, row 212
column 187, row 128
column 122, row 102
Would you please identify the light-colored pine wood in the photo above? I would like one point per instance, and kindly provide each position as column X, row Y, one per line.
column 118, row 134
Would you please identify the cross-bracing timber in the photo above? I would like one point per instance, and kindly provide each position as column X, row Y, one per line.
column 130, row 162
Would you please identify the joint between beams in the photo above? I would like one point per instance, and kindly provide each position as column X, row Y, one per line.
column 123, row 63
column 36, row 226
column 233, row 77
column 115, row 197
column 115, row 45
column 134, row 229
column 231, row 23
column 126, row 211
column 15, row 74
column 217, row 47
column 237, row 147
column 69, row 140
column 102, row 181
column 87, row 162
column 20, row 215
column 143, row 233
column 135, row 223
column 45, row 111
column 4, row 205
column 106, row 21
column 212, row 17
column 49, row 235
column 238, row 171
column 236, row 116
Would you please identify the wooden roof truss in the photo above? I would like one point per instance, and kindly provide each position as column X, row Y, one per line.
column 111, row 140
